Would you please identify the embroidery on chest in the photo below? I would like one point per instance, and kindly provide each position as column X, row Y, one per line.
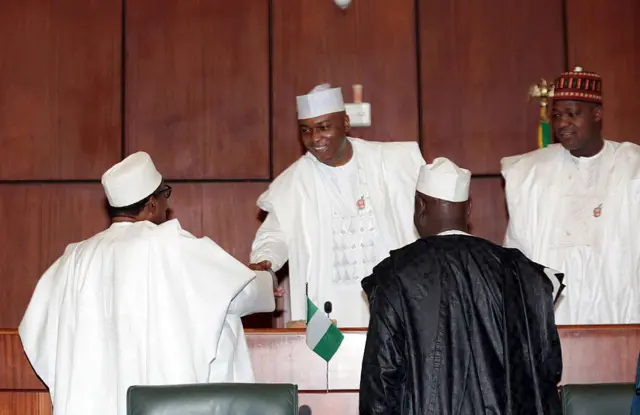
column 597, row 211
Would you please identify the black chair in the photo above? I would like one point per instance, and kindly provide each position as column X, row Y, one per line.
column 214, row 399
column 597, row 399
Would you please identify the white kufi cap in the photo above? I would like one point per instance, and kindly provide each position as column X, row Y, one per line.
column 320, row 101
column 444, row 180
column 131, row 180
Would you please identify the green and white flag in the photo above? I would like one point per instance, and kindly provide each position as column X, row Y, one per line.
column 323, row 337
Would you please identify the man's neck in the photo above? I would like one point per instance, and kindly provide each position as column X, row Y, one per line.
column 344, row 155
column 589, row 150
column 459, row 227
column 119, row 219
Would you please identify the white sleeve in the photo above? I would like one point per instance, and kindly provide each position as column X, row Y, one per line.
column 511, row 238
column 40, row 326
column 256, row 297
column 516, row 226
column 270, row 244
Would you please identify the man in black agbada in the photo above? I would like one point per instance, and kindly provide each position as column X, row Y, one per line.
column 458, row 324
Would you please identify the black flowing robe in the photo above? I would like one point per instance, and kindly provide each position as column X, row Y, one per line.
column 460, row 325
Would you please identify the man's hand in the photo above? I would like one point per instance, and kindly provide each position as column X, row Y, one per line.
column 261, row 266
column 277, row 292
column 266, row 266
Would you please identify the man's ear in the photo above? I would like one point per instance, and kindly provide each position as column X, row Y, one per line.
column 347, row 123
column 421, row 204
column 152, row 205
column 469, row 203
column 598, row 113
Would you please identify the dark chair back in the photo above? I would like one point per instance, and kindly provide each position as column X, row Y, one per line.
column 214, row 399
column 597, row 399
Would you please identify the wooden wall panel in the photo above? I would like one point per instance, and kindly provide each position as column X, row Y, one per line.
column 59, row 88
column 603, row 37
column 197, row 86
column 225, row 212
column 44, row 219
column 478, row 59
column 488, row 209
column 16, row 373
column 370, row 43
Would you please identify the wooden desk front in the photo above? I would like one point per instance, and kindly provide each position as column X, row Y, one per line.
column 591, row 354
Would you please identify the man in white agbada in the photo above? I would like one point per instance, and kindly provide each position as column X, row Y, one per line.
column 143, row 302
column 337, row 211
column 575, row 207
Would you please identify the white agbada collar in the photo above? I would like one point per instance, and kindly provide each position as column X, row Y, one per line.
column 453, row 232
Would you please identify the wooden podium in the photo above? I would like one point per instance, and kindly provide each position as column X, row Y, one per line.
column 591, row 354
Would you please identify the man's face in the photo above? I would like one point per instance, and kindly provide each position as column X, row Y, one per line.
column 575, row 124
column 159, row 204
column 326, row 136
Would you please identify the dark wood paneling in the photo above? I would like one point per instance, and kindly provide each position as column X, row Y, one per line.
column 370, row 43
column 43, row 220
column 59, row 88
column 488, row 209
column 603, row 37
column 197, row 86
column 478, row 59
column 225, row 212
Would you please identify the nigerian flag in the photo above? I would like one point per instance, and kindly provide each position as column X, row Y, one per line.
column 544, row 129
column 323, row 337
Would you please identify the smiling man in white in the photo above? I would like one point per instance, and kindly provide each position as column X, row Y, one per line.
column 575, row 207
column 337, row 211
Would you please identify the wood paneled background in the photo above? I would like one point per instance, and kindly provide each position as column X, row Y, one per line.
column 208, row 89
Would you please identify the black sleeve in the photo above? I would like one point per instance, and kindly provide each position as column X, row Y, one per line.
column 539, row 299
column 383, row 369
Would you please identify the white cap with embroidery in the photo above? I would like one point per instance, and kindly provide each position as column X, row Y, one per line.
column 320, row 101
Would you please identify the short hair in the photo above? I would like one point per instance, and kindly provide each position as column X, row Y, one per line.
column 128, row 211
column 131, row 210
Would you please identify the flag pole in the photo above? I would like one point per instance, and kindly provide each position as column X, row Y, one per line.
column 327, row 373
column 542, row 92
